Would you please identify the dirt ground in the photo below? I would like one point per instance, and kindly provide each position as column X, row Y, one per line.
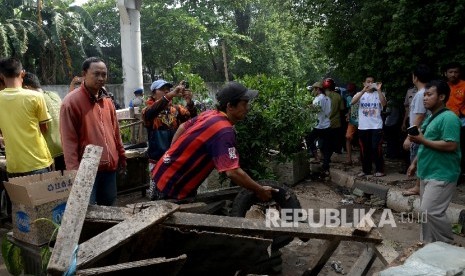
column 297, row 255
column 315, row 195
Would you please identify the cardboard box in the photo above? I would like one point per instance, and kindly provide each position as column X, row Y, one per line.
column 38, row 196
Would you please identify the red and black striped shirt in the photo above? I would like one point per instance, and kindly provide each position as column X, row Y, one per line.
column 208, row 142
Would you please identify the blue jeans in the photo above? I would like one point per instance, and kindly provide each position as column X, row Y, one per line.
column 104, row 190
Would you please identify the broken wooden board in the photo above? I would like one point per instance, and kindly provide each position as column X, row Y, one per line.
column 386, row 253
column 325, row 252
column 211, row 253
column 75, row 212
column 363, row 263
column 102, row 244
column 236, row 225
column 154, row 266
column 110, row 214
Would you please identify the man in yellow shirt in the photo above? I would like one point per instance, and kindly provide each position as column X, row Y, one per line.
column 23, row 119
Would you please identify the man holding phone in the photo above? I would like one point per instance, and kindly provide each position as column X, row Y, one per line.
column 420, row 77
column 370, row 103
column 437, row 163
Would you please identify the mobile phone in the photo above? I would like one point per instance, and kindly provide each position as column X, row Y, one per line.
column 413, row 130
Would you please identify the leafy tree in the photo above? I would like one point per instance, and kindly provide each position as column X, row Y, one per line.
column 385, row 38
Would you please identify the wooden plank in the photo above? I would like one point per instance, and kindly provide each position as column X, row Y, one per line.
column 386, row 253
column 110, row 214
column 75, row 212
column 362, row 228
column 363, row 263
column 325, row 252
column 236, row 225
column 102, row 244
column 155, row 266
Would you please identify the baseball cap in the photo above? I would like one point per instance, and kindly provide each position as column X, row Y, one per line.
column 139, row 91
column 315, row 85
column 158, row 84
column 233, row 91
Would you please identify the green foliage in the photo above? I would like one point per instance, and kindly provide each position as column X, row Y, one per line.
column 278, row 120
column 12, row 257
column 387, row 38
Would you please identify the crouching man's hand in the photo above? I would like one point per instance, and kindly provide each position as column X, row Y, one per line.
column 266, row 193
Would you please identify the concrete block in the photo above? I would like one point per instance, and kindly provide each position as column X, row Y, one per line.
column 342, row 178
column 399, row 203
column 371, row 188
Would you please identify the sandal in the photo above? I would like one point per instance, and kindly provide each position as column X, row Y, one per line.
column 315, row 161
column 348, row 163
column 379, row 174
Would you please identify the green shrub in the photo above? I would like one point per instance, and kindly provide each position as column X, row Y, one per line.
column 278, row 120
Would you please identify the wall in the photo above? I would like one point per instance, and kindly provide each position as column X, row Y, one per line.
column 118, row 90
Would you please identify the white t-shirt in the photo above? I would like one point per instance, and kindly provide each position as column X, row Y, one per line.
column 323, row 116
column 417, row 106
column 369, row 111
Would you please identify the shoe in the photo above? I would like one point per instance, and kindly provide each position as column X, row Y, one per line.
column 315, row 161
column 361, row 174
column 348, row 163
column 379, row 174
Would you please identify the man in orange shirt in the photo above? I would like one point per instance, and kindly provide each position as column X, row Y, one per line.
column 456, row 103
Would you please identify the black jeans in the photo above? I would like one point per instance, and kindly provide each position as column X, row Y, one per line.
column 371, row 149
column 324, row 138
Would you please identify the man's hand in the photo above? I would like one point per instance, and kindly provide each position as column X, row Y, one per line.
column 412, row 169
column 187, row 95
column 418, row 139
column 266, row 193
column 122, row 165
column 407, row 144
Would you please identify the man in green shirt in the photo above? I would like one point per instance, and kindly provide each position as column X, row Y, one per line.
column 52, row 135
column 437, row 162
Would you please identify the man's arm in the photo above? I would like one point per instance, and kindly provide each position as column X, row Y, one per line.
column 242, row 179
column 43, row 127
column 440, row 145
column 419, row 118
column 381, row 96
column 357, row 97
column 69, row 137
column 181, row 129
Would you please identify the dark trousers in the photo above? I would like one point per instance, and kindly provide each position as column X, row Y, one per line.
column 371, row 149
column 393, row 142
column 324, row 138
column 462, row 149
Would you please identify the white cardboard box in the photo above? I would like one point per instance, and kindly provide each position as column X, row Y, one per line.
column 38, row 196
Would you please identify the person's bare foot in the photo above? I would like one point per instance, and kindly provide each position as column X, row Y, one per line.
column 411, row 191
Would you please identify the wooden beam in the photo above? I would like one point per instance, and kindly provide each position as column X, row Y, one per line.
column 386, row 253
column 236, row 225
column 75, row 212
column 325, row 252
column 102, row 244
column 155, row 266
column 363, row 263
column 110, row 214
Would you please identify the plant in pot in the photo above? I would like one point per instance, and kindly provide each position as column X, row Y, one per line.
column 278, row 120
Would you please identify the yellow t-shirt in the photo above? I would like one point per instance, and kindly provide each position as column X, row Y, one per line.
column 21, row 111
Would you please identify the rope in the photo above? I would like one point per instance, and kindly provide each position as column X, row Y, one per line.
column 73, row 263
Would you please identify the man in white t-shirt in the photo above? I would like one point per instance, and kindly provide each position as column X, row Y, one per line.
column 420, row 77
column 322, row 130
column 370, row 125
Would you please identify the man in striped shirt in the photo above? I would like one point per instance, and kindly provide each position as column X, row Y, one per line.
column 206, row 142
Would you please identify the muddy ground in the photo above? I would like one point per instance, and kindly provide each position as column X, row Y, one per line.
column 297, row 255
